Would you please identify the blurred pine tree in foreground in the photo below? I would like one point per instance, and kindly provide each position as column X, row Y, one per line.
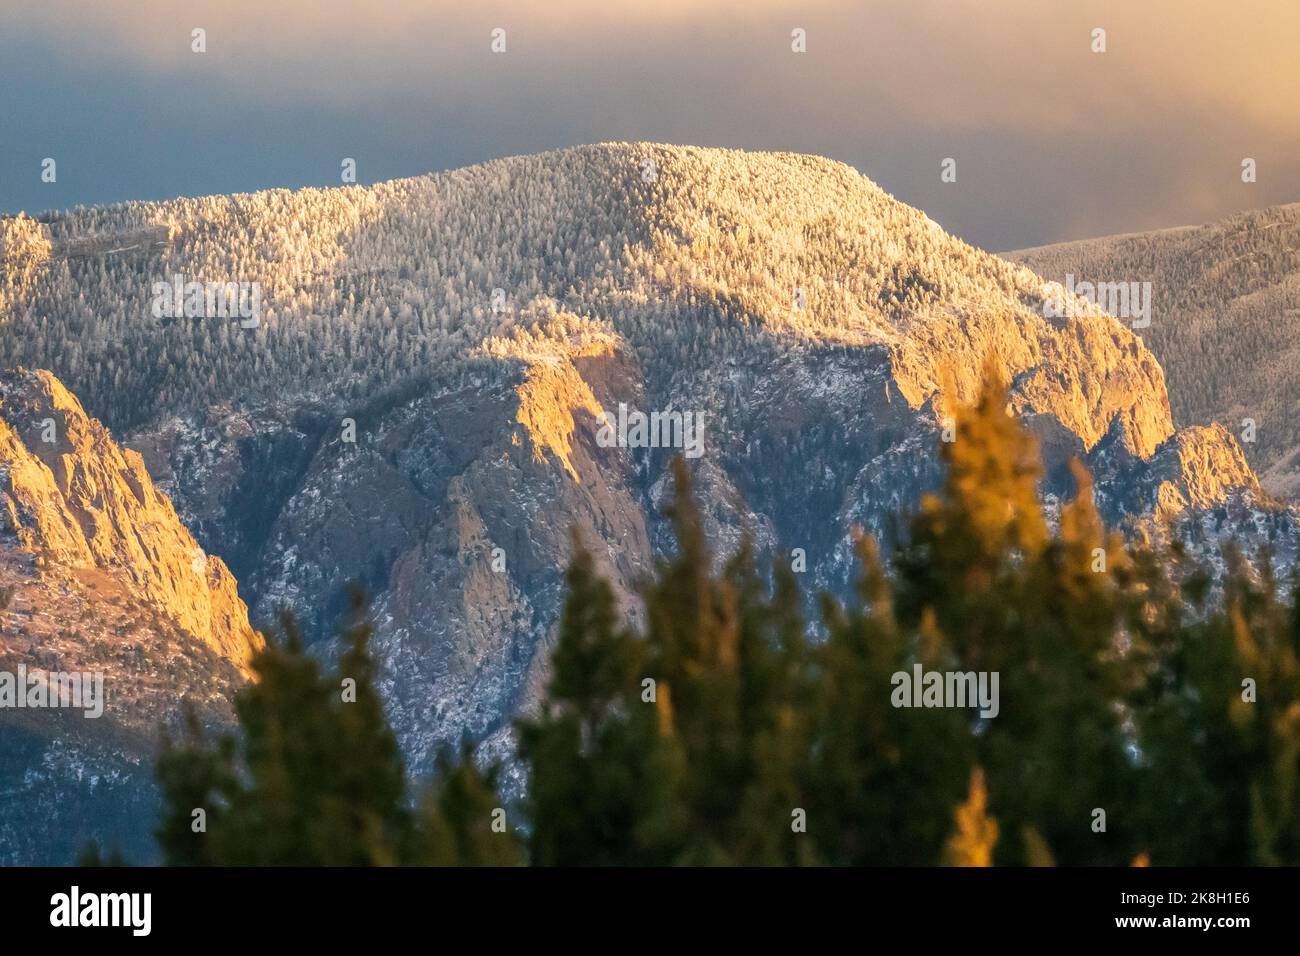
column 315, row 777
column 1135, row 722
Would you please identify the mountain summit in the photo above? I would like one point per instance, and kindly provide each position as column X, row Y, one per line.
column 367, row 286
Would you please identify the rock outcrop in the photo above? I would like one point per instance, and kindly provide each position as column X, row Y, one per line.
column 70, row 494
column 1224, row 315
column 98, row 577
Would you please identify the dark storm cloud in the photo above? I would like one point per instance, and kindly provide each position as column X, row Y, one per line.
column 1051, row 140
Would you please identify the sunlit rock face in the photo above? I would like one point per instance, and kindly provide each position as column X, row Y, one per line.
column 1225, row 302
column 98, row 577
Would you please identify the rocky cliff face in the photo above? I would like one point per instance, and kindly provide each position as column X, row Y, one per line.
column 1225, row 310
column 97, row 576
column 73, row 496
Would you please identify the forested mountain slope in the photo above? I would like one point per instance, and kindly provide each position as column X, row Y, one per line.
column 419, row 402
column 676, row 250
column 1225, row 322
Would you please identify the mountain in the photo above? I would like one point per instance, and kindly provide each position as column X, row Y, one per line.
column 1225, row 318
column 444, row 377
column 99, row 577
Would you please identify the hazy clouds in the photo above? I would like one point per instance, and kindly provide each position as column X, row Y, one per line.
column 1051, row 141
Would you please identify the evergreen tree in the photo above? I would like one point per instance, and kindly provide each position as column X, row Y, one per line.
column 679, row 745
column 314, row 776
column 1041, row 611
column 462, row 820
column 1220, row 730
column 599, row 774
column 975, row 834
column 883, row 780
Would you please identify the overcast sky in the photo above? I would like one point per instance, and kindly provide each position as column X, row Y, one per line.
column 1052, row 141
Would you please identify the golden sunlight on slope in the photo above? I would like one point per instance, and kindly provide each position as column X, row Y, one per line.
column 74, row 498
